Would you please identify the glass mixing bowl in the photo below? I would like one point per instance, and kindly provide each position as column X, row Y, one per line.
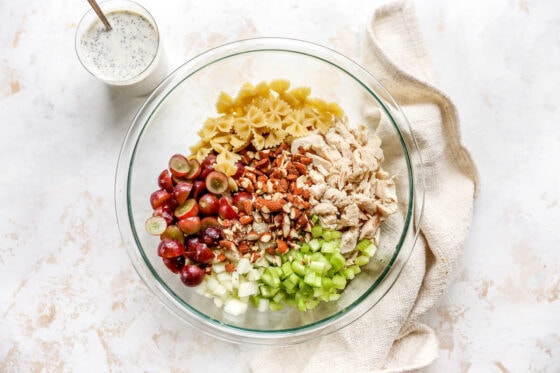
column 167, row 123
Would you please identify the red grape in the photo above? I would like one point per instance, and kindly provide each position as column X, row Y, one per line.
column 192, row 275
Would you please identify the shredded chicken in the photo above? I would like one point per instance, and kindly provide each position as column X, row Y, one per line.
column 351, row 193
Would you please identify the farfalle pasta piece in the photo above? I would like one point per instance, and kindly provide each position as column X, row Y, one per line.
column 258, row 140
column 228, row 157
column 225, row 104
column 221, row 143
column 255, row 117
column 275, row 138
column 242, row 127
column 261, row 90
column 280, row 85
column 226, row 167
column 335, row 109
column 200, row 150
column 301, row 94
column 316, row 103
column 238, row 143
column 209, row 129
column 315, row 120
column 224, row 123
column 293, row 124
column 225, row 162
column 275, row 110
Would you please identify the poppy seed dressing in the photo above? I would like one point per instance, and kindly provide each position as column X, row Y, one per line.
column 124, row 52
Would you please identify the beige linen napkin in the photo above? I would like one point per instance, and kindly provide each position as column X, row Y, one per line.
column 391, row 338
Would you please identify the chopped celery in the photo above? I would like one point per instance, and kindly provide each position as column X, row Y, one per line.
column 356, row 269
column 339, row 281
column 362, row 260
column 291, row 282
column 366, row 247
column 329, row 235
column 314, row 244
column 286, row 270
column 363, row 244
column 317, row 231
column 330, row 246
column 275, row 306
column 268, row 291
column 298, row 268
column 312, row 279
column 317, row 266
column 348, row 273
column 279, row 297
column 337, row 261
column 327, row 283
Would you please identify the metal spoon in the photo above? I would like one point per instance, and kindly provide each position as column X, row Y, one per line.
column 100, row 14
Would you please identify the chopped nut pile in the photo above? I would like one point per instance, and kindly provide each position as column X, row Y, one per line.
column 276, row 218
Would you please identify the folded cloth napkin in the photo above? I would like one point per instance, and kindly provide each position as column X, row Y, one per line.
column 396, row 56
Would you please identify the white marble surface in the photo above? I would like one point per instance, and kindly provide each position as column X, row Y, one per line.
column 69, row 298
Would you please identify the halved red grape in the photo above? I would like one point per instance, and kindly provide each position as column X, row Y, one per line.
column 199, row 188
column 225, row 210
column 182, row 191
column 239, row 199
column 190, row 225
column 158, row 197
column 179, row 165
column 192, row 275
column 217, row 182
column 207, row 166
column 155, row 225
column 203, row 254
column 209, row 221
column 209, row 160
column 192, row 242
column 189, row 208
column 170, row 248
column 164, row 180
column 211, row 235
column 208, row 204
column 173, row 232
column 175, row 264
column 240, row 170
column 194, row 169
column 165, row 213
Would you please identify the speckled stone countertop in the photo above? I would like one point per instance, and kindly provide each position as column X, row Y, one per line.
column 70, row 300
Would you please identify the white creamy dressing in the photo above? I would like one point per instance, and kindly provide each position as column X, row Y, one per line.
column 129, row 58
column 122, row 53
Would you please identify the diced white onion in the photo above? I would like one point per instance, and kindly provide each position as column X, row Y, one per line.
column 243, row 266
column 247, row 288
column 235, row 307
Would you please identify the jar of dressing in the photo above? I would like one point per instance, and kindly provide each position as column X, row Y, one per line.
column 129, row 56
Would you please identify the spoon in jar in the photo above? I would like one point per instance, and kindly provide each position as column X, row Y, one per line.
column 100, row 14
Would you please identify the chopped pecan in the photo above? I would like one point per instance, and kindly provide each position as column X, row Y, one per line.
column 263, row 163
column 252, row 236
column 228, row 245
column 300, row 167
column 282, row 247
column 268, row 206
column 265, row 237
column 246, row 219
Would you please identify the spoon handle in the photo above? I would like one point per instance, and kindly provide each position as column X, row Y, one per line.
column 100, row 14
